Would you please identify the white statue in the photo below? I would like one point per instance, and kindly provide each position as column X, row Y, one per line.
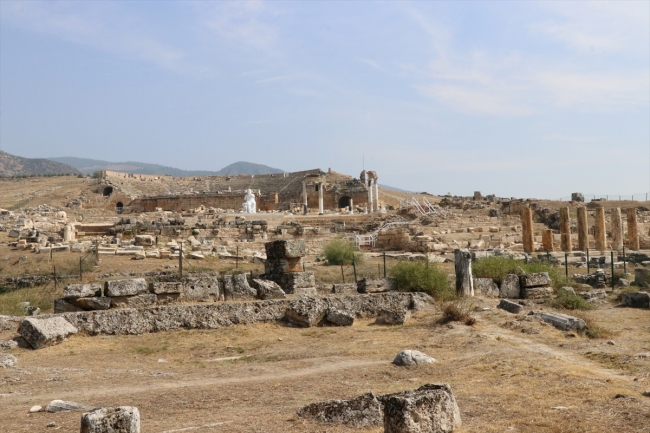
column 250, row 206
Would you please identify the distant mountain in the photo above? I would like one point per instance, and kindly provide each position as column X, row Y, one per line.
column 90, row 166
column 11, row 165
column 392, row 188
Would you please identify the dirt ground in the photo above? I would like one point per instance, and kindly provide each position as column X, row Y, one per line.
column 520, row 376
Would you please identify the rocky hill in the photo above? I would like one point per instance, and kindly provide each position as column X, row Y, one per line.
column 11, row 165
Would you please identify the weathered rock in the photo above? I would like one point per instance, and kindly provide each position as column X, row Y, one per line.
column 307, row 311
column 636, row 299
column 510, row 287
column 431, row 408
column 33, row 310
column 7, row 360
column 537, row 279
column 486, row 287
column 362, row 411
column 535, row 292
column 94, row 303
column 82, row 291
column 412, row 357
column 563, row 321
column 145, row 240
column 340, row 317
column 393, row 316
column 63, row 406
column 285, row 249
column 35, row 408
column 593, row 295
column 42, row 332
column 162, row 287
column 297, row 280
column 375, row 285
column 311, row 291
column 134, row 286
column 623, row 282
column 344, row 288
column 8, row 344
column 137, row 301
column 509, row 306
column 642, row 277
column 201, row 289
column 65, row 306
column 122, row 419
column 236, row 288
column 268, row 289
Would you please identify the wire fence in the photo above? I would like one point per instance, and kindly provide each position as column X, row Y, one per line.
column 644, row 196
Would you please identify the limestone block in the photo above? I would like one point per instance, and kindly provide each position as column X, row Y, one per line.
column 137, row 301
column 145, row 240
column 510, row 287
column 306, row 311
column 362, row 411
column 122, row 419
column 486, row 287
column 535, row 292
column 375, row 285
column 92, row 303
column 82, row 290
column 297, row 280
column 44, row 332
column 393, row 316
column 285, row 249
column 166, row 287
column 592, row 295
column 134, row 286
column 431, row 408
column 268, row 289
column 537, row 279
column 340, row 317
column 236, row 288
column 564, row 322
column 344, row 288
column 509, row 306
column 56, row 406
column 636, row 299
column 305, row 291
column 64, row 306
column 412, row 357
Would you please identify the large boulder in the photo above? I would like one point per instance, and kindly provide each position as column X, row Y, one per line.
column 393, row 316
column 307, row 311
column 293, row 281
column 236, row 287
column 486, row 287
column 268, row 289
column 510, row 287
column 509, row 306
column 145, row 240
column 122, row 419
column 63, row 406
column 636, row 299
column 339, row 317
column 290, row 249
column 412, row 357
column 431, row 408
column 537, row 279
column 42, row 332
column 362, row 411
column 82, row 291
column 131, row 287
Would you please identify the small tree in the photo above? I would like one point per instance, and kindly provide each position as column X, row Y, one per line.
column 341, row 252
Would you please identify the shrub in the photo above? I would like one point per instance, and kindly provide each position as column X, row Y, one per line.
column 569, row 301
column 422, row 277
column 458, row 310
column 341, row 252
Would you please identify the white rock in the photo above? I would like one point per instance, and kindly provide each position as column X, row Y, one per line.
column 412, row 357
column 36, row 408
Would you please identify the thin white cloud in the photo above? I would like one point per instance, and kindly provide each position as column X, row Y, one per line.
column 275, row 79
column 371, row 63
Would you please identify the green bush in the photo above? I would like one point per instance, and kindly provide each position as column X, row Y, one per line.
column 422, row 277
column 341, row 252
column 569, row 301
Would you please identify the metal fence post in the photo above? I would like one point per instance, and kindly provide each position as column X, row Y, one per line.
column 566, row 264
column 612, row 259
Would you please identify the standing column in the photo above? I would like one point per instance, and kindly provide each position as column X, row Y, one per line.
column 463, row 265
column 304, row 197
column 599, row 230
column 565, row 230
column 320, row 198
column 351, row 206
column 583, row 229
column 377, row 193
column 547, row 240
column 527, row 229
column 370, row 201
column 617, row 229
column 632, row 230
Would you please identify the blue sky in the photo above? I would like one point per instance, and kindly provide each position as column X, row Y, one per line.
column 525, row 99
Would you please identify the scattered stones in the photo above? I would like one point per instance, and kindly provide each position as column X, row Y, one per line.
column 46, row 331
column 63, row 406
column 412, row 357
column 636, row 299
column 430, row 408
column 122, row 419
column 564, row 322
column 7, row 360
column 267, row 289
column 509, row 306
column 393, row 317
column 340, row 317
column 362, row 411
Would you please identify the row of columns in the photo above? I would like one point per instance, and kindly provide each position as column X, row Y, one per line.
column 320, row 197
column 583, row 230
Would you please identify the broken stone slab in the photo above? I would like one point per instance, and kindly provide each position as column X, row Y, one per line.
column 82, row 291
column 134, row 286
column 137, row 301
column 412, row 357
column 509, row 306
column 197, row 255
column 145, row 240
column 431, row 408
column 375, row 285
column 510, row 287
column 486, row 287
column 305, row 291
column 636, row 299
column 236, row 288
column 306, row 311
column 537, row 279
column 564, row 321
column 393, row 317
column 93, row 303
column 344, row 288
column 160, row 288
column 361, row 411
column 535, row 292
column 42, row 332
column 340, row 317
column 65, row 306
column 122, row 419
column 268, row 289
column 592, row 295
column 297, row 280
column 7, row 360
column 63, row 406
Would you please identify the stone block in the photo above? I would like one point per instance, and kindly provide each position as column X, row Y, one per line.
column 268, row 289
column 344, row 288
column 509, row 306
column 201, row 289
column 56, row 406
column 307, row 311
column 64, row 306
column 510, row 287
column 236, row 287
column 431, row 408
column 393, row 316
column 305, row 291
column 297, row 280
column 486, row 287
column 535, row 292
column 131, row 287
column 137, row 301
column 564, row 322
column 92, row 303
column 537, row 279
column 592, row 295
column 362, row 411
column 145, row 240
column 412, row 357
column 375, row 285
column 122, row 419
column 340, row 317
column 636, row 299
column 286, row 249
column 43, row 332
column 163, row 287
column 82, row 291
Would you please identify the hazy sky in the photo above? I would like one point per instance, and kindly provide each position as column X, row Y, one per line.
column 526, row 99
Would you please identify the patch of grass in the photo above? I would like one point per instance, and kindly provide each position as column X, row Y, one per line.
column 458, row 310
column 36, row 296
column 594, row 330
column 498, row 267
column 569, row 301
column 422, row 277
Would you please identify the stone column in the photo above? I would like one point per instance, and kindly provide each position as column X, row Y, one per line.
column 527, row 229
column 583, row 229
column 351, row 207
column 370, row 200
column 599, row 231
column 617, row 229
column 565, row 230
column 463, row 265
column 632, row 230
column 304, row 193
column 547, row 240
column 377, row 193
column 320, row 198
